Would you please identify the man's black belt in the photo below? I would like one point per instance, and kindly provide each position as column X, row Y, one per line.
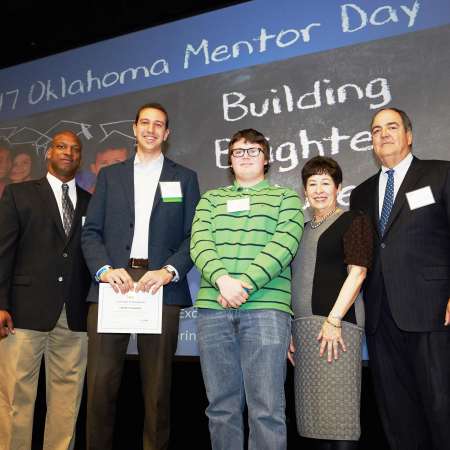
column 137, row 263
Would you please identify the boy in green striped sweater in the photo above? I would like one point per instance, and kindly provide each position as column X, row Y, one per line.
column 243, row 239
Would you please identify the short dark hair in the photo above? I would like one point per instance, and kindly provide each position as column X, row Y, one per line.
column 153, row 105
column 405, row 118
column 253, row 137
column 322, row 165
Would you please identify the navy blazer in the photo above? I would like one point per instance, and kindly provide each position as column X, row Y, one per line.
column 41, row 268
column 412, row 259
column 108, row 232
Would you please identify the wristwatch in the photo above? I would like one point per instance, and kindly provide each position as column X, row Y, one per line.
column 171, row 270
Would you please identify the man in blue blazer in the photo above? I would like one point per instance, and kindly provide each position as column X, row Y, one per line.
column 135, row 233
column 407, row 292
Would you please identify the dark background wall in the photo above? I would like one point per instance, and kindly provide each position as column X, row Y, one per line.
column 34, row 29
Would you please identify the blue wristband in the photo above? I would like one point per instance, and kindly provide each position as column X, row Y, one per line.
column 101, row 271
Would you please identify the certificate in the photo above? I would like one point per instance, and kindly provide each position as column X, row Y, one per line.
column 133, row 312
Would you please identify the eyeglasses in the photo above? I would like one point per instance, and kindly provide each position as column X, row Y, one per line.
column 253, row 152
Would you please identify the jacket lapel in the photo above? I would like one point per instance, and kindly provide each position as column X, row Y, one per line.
column 409, row 182
column 81, row 206
column 373, row 195
column 127, row 179
column 49, row 200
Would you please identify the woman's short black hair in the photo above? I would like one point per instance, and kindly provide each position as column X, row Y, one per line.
column 320, row 165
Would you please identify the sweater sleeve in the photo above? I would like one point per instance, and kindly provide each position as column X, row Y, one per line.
column 282, row 247
column 203, row 248
column 358, row 242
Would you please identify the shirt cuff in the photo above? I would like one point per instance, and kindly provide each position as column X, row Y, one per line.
column 101, row 271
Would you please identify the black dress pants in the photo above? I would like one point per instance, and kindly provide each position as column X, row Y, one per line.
column 411, row 374
column 106, row 356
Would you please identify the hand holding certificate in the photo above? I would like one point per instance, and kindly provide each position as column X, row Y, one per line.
column 133, row 312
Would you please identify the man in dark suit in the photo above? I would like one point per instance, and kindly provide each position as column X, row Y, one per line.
column 135, row 232
column 43, row 286
column 407, row 293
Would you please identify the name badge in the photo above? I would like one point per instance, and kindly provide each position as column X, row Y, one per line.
column 83, row 219
column 420, row 198
column 171, row 191
column 240, row 204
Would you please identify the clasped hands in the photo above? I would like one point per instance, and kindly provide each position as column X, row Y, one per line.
column 233, row 292
column 121, row 281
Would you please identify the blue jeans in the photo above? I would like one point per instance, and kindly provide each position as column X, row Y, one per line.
column 243, row 358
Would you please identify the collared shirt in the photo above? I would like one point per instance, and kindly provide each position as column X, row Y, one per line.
column 55, row 184
column 146, row 179
column 258, row 186
column 399, row 175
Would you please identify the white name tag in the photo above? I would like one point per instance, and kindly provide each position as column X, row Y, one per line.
column 83, row 219
column 420, row 197
column 171, row 191
column 240, row 204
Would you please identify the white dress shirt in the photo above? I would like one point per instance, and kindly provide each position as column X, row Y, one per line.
column 399, row 175
column 55, row 184
column 146, row 179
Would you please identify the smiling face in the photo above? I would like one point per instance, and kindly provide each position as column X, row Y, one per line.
column 248, row 170
column 322, row 192
column 391, row 140
column 150, row 131
column 107, row 157
column 21, row 168
column 64, row 156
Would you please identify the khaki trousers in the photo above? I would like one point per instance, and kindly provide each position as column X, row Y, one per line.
column 65, row 353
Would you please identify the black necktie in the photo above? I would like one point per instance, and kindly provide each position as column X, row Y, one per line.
column 67, row 208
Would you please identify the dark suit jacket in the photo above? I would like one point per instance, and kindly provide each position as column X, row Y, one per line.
column 108, row 232
column 41, row 268
column 413, row 257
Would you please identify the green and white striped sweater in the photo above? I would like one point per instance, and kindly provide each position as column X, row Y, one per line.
column 255, row 245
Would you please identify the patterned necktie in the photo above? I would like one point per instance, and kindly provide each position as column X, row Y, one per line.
column 387, row 202
column 67, row 208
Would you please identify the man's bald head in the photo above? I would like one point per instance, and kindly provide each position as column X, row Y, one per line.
column 64, row 155
column 68, row 134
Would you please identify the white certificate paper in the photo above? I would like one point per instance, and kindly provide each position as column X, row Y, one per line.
column 133, row 312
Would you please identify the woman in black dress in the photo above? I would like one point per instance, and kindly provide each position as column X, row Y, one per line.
column 327, row 274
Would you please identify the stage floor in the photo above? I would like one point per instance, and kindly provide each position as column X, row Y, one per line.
column 189, row 424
